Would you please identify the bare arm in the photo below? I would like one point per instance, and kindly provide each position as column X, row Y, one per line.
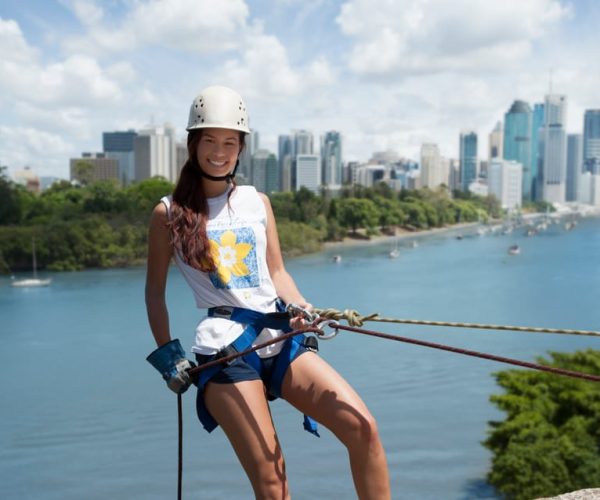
column 284, row 284
column 159, row 257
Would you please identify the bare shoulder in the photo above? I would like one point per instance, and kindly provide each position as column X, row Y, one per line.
column 264, row 198
column 266, row 201
column 159, row 219
column 159, row 213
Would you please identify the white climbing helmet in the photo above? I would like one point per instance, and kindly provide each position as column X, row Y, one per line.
column 218, row 107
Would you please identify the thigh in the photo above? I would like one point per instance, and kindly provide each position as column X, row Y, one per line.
column 315, row 388
column 242, row 410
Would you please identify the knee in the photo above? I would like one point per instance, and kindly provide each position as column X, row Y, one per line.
column 361, row 431
column 271, row 484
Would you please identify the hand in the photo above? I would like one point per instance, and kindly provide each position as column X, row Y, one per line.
column 170, row 361
column 180, row 380
column 302, row 315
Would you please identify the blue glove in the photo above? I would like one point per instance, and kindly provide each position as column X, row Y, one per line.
column 170, row 361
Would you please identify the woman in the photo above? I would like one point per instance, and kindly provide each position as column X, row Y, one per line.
column 224, row 240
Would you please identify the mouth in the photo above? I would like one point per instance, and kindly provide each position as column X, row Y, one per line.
column 217, row 164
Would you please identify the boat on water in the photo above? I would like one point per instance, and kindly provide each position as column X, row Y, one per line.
column 395, row 251
column 394, row 254
column 34, row 281
column 514, row 250
column 337, row 258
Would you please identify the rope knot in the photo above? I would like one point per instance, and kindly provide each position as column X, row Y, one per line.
column 352, row 316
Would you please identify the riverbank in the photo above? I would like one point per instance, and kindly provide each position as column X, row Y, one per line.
column 360, row 239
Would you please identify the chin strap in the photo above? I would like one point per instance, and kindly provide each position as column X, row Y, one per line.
column 228, row 177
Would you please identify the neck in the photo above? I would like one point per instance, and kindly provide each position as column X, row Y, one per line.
column 212, row 189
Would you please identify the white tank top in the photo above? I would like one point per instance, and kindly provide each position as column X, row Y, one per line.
column 237, row 234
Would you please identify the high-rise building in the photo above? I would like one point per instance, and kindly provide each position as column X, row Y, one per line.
column 92, row 167
column 574, row 165
column 303, row 144
column 181, row 156
column 308, row 172
column 252, row 144
column 505, row 182
column 265, row 172
column 495, row 142
column 331, row 156
column 591, row 140
column 537, row 123
column 285, row 158
column 120, row 146
column 28, row 179
column 468, row 158
column 154, row 152
column 553, row 149
column 517, row 140
column 433, row 173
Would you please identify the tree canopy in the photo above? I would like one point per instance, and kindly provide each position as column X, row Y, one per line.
column 100, row 224
column 549, row 442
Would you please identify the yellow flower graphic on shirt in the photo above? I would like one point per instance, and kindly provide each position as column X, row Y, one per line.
column 228, row 255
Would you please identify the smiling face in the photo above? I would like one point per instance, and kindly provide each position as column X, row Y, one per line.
column 218, row 150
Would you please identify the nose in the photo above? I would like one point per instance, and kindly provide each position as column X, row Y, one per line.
column 219, row 149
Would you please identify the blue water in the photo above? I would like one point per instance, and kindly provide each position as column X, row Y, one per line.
column 84, row 416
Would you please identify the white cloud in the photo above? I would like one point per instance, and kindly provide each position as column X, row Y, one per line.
column 88, row 12
column 420, row 36
column 202, row 26
column 13, row 46
column 263, row 70
column 43, row 151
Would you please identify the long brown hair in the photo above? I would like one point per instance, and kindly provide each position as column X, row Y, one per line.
column 189, row 210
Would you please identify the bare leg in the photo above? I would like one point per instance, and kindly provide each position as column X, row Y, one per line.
column 315, row 388
column 241, row 409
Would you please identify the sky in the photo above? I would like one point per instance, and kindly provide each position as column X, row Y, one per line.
column 387, row 74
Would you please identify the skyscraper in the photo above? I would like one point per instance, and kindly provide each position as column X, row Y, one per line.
column 119, row 145
column 495, row 141
column 591, row 141
column 574, row 165
column 517, row 140
column 468, row 159
column 308, row 172
column 537, row 123
column 154, row 152
column 265, row 172
column 432, row 171
column 252, row 143
column 302, row 145
column 505, row 182
column 553, row 149
column 331, row 156
column 285, row 159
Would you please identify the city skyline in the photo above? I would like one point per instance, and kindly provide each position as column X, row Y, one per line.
column 392, row 79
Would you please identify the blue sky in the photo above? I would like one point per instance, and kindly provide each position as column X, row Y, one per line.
column 387, row 74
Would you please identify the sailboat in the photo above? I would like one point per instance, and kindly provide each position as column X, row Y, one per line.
column 34, row 281
column 394, row 252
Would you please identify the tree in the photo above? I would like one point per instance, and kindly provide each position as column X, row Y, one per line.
column 357, row 212
column 10, row 207
column 83, row 171
column 550, row 441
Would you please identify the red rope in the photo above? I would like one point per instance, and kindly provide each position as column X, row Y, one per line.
column 467, row 352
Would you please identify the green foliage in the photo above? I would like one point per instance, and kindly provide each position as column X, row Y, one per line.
column 358, row 212
column 538, row 206
column 12, row 197
column 296, row 238
column 550, row 441
column 100, row 224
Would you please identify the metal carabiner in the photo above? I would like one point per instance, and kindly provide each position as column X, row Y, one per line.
column 295, row 310
column 330, row 324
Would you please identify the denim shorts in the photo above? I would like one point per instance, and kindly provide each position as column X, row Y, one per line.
column 239, row 370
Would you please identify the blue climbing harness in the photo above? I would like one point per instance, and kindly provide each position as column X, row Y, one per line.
column 255, row 322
